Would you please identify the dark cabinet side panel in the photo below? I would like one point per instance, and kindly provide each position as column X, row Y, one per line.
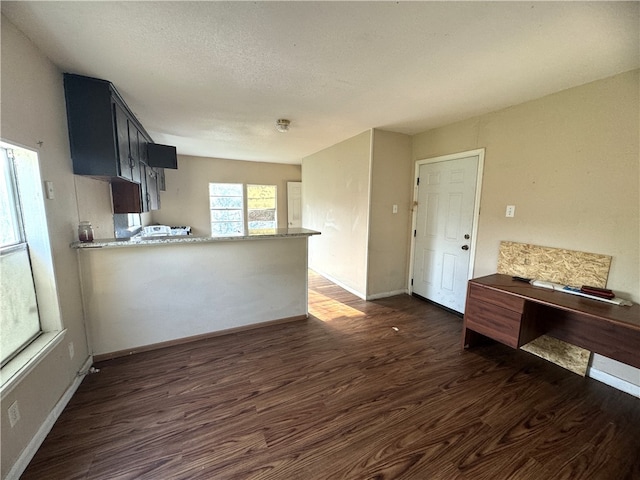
column 91, row 134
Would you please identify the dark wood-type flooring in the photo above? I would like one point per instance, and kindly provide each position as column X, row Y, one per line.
column 360, row 390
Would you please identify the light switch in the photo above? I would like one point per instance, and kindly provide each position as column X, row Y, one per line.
column 511, row 211
column 395, row 209
column 49, row 189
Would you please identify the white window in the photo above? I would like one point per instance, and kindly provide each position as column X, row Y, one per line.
column 236, row 210
column 19, row 320
column 30, row 323
column 261, row 208
column 133, row 220
column 226, row 201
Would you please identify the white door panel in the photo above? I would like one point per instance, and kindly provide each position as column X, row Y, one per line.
column 294, row 204
column 446, row 199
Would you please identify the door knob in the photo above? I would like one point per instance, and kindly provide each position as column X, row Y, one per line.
column 465, row 247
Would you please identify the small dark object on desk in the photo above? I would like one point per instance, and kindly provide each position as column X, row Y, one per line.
column 598, row 292
column 522, row 279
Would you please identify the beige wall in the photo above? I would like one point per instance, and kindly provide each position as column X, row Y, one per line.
column 185, row 290
column 186, row 200
column 348, row 193
column 335, row 202
column 569, row 162
column 94, row 205
column 391, row 184
column 33, row 111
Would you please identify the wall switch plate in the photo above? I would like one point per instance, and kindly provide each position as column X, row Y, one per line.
column 395, row 209
column 48, row 185
column 14, row 413
column 511, row 211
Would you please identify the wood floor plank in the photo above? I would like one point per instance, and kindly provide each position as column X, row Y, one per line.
column 360, row 390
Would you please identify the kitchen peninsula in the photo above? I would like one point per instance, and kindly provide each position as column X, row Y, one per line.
column 147, row 293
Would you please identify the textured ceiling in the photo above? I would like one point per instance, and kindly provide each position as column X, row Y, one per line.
column 213, row 77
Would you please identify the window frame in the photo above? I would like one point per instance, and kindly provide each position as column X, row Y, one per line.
column 255, row 231
column 9, row 172
column 36, row 234
column 228, row 209
column 25, row 328
column 245, row 211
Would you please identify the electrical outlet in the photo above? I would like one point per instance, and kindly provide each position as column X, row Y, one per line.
column 71, row 350
column 14, row 413
column 511, row 211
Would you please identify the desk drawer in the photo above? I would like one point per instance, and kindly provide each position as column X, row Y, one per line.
column 493, row 321
column 500, row 299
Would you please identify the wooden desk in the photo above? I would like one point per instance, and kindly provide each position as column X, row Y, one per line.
column 515, row 313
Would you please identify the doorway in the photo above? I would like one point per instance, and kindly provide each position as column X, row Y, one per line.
column 294, row 204
column 445, row 218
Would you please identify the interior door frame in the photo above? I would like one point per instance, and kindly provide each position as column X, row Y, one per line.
column 479, row 152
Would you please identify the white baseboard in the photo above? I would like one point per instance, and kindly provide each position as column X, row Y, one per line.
column 377, row 296
column 30, row 450
column 614, row 382
column 339, row 283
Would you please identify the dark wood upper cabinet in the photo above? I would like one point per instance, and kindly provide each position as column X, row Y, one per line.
column 162, row 156
column 107, row 141
column 127, row 197
column 104, row 135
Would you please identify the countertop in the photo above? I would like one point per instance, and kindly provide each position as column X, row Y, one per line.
column 187, row 239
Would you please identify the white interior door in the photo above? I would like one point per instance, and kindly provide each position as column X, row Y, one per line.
column 444, row 232
column 294, row 204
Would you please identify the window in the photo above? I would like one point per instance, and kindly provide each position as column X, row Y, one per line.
column 29, row 307
column 133, row 220
column 235, row 210
column 261, row 208
column 19, row 319
column 227, row 209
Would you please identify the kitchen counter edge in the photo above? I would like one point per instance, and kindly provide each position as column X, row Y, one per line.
column 180, row 239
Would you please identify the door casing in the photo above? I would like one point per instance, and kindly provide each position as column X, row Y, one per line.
column 476, row 213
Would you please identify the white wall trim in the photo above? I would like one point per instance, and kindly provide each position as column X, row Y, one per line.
column 29, row 452
column 339, row 283
column 18, row 368
column 614, row 382
column 377, row 296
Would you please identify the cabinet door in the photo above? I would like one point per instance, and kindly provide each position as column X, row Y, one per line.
column 127, row 197
column 122, row 135
column 162, row 185
column 152, row 189
column 134, row 152
column 144, row 194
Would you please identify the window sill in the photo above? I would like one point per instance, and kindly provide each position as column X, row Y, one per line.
column 18, row 368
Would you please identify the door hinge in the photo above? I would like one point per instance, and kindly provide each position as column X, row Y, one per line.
column 418, row 182
column 412, row 282
column 414, row 233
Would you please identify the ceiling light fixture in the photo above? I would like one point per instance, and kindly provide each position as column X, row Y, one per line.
column 282, row 125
